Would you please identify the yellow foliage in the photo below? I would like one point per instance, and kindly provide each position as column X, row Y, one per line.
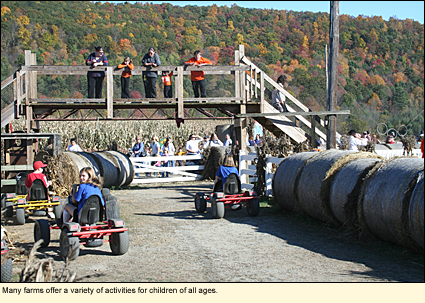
column 4, row 10
column 107, row 16
column 239, row 39
column 23, row 20
column 374, row 101
column 222, row 44
column 132, row 36
column 90, row 38
column 376, row 80
column 24, row 34
column 263, row 50
column 230, row 25
column 294, row 63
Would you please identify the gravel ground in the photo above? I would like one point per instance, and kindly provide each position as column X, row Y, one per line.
column 170, row 242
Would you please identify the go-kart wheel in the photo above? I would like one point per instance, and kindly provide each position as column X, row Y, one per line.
column 9, row 209
column 69, row 246
column 200, row 203
column 119, row 243
column 42, row 231
column 6, row 271
column 253, row 207
column 58, row 210
column 20, row 215
column 217, row 208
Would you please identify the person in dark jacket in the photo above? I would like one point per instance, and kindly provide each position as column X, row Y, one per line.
column 151, row 59
column 95, row 78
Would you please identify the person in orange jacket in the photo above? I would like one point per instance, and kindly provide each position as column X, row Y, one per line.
column 125, row 77
column 198, row 77
column 168, row 86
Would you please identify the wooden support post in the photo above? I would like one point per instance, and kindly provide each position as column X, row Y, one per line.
column 262, row 91
column 242, row 90
column 17, row 95
column 313, row 131
column 333, row 76
column 33, row 77
column 179, row 92
column 109, row 92
column 28, row 110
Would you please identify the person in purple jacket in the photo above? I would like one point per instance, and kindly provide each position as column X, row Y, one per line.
column 95, row 78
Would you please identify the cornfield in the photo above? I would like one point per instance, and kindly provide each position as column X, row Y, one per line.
column 121, row 135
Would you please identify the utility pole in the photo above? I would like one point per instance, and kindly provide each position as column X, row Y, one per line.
column 333, row 74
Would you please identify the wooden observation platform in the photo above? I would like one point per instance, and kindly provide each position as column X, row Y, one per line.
column 249, row 100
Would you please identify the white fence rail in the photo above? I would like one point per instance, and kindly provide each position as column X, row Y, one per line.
column 147, row 172
column 247, row 169
column 397, row 152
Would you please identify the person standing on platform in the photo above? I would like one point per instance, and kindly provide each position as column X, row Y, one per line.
column 168, row 86
column 198, row 77
column 95, row 78
column 125, row 77
column 151, row 59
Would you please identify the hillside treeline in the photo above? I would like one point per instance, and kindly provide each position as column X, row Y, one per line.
column 381, row 70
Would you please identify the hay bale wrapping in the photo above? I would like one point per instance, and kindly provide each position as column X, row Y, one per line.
column 342, row 185
column 385, row 198
column 286, row 178
column 416, row 212
column 309, row 190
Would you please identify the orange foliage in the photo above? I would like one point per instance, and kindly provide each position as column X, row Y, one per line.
column 376, row 80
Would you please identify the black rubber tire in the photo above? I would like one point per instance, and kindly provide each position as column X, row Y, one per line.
column 58, row 210
column 6, row 271
column 42, row 231
column 218, row 210
column 253, row 207
column 3, row 201
column 200, row 203
column 20, row 215
column 119, row 243
column 39, row 213
column 9, row 209
column 69, row 246
column 94, row 242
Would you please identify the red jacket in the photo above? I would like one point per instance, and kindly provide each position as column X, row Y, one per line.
column 33, row 176
column 195, row 75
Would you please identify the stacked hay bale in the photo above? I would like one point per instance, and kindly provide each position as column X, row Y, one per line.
column 111, row 167
column 342, row 185
column 213, row 158
column 310, row 184
column 416, row 212
column 385, row 199
column 361, row 191
column 285, row 180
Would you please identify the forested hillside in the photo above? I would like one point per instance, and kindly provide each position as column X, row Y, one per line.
column 381, row 63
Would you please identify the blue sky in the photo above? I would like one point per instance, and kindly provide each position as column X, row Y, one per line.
column 400, row 9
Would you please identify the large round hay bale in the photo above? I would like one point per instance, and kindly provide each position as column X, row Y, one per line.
column 345, row 187
column 93, row 162
column 385, row 198
column 223, row 130
column 126, row 168
column 309, row 190
column 285, row 180
column 109, row 168
column 416, row 213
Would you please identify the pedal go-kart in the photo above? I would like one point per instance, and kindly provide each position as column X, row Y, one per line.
column 230, row 198
column 6, row 268
column 88, row 228
column 38, row 204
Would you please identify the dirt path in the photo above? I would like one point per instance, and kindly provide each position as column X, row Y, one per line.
column 170, row 242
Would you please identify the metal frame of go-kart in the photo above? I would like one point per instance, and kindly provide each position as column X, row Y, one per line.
column 221, row 201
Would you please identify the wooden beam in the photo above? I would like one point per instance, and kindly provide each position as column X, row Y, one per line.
column 109, row 92
column 291, row 114
column 179, row 92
